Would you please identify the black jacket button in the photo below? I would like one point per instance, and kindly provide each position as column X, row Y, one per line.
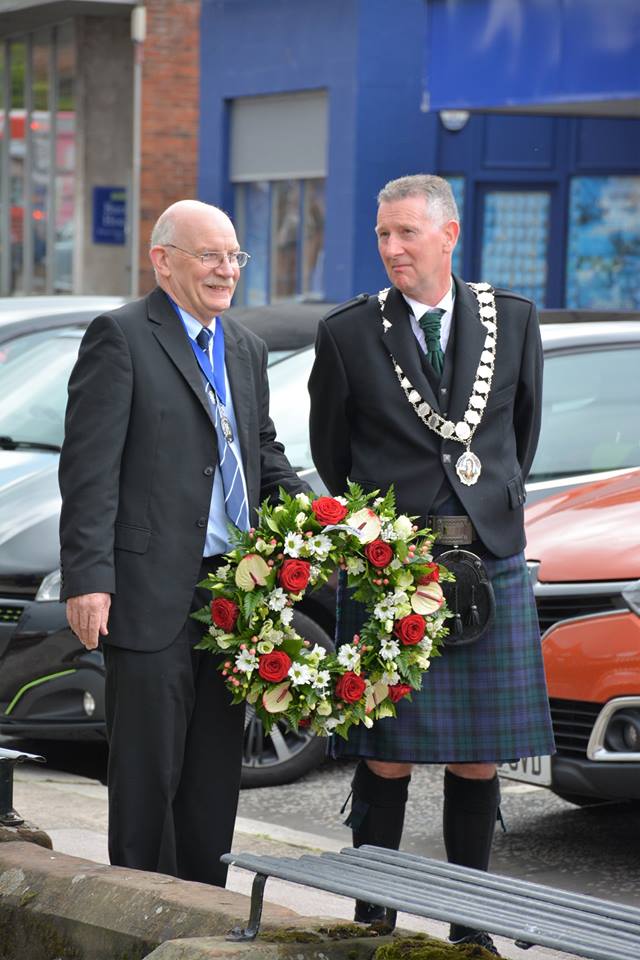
column 202, row 522
column 208, row 471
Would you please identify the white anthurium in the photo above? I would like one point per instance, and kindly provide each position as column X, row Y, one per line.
column 367, row 523
column 277, row 699
column 376, row 693
column 427, row 599
column 252, row 572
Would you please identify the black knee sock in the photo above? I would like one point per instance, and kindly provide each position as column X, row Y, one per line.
column 468, row 824
column 377, row 817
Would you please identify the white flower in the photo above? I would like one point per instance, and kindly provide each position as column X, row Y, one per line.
column 324, row 707
column 314, row 572
column 223, row 572
column 332, row 722
column 384, row 609
column 368, row 721
column 426, row 645
column 246, row 662
column 389, row 649
column 318, row 653
column 378, row 501
column 293, row 543
column 355, row 565
column 403, row 527
column 286, row 616
column 342, row 500
column 264, row 646
column 300, row 520
column 348, row 657
column 277, row 599
column 388, row 533
column 263, row 547
column 390, row 677
column 319, row 546
column 300, row 674
column 323, row 677
column 303, row 499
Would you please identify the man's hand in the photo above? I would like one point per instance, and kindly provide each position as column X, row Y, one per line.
column 87, row 616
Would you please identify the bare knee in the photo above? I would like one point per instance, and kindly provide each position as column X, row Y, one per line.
column 472, row 771
column 390, row 771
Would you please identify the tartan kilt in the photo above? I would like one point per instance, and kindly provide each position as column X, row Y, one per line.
column 483, row 702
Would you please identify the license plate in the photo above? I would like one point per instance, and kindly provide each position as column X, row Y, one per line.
column 528, row 770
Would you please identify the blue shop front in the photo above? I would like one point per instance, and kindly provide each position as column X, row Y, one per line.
column 307, row 109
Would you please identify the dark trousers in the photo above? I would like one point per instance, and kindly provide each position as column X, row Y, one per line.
column 175, row 756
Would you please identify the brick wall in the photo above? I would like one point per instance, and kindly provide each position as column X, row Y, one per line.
column 170, row 114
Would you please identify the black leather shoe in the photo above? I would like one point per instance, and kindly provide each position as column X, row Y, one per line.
column 368, row 912
column 481, row 939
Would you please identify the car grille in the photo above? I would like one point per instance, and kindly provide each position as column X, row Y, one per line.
column 10, row 614
column 573, row 722
column 19, row 588
column 553, row 609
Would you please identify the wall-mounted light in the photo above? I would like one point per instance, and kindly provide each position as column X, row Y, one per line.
column 454, row 120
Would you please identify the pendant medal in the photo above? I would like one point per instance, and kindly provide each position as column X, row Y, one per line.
column 468, row 468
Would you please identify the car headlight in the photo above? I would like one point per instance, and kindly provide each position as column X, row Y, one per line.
column 49, row 589
column 631, row 596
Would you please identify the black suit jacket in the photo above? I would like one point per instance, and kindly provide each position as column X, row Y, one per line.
column 364, row 429
column 138, row 459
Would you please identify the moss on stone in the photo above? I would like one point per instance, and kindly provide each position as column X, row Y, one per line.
column 420, row 947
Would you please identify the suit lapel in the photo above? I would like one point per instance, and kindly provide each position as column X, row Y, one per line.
column 470, row 335
column 238, row 365
column 401, row 343
column 172, row 337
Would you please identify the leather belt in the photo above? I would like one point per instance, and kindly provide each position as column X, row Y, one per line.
column 453, row 531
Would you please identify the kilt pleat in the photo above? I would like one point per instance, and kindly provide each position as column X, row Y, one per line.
column 483, row 702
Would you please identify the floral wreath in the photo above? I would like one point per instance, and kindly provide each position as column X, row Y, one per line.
column 298, row 544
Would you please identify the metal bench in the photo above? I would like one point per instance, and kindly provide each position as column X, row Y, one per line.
column 528, row 913
column 8, row 760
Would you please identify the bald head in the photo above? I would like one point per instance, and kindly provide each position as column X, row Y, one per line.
column 184, row 213
column 182, row 234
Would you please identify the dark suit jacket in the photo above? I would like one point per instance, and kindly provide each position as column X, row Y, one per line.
column 364, row 429
column 137, row 464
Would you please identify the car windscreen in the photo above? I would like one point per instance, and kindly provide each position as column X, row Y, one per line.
column 590, row 420
column 34, row 372
column 289, row 406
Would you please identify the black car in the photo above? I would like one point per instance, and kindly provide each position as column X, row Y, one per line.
column 50, row 687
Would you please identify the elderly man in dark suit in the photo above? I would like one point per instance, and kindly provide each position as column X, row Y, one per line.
column 433, row 385
column 168, row 439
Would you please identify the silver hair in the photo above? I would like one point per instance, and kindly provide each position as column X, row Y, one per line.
column 164, row 231
column 441, row 204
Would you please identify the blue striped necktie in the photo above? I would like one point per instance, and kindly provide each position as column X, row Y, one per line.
column 235, row 501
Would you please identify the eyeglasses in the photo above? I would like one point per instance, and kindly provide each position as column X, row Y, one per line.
column 214, row 258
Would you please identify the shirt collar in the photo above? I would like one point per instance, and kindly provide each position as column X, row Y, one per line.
column 194, row 326
column 446, row 303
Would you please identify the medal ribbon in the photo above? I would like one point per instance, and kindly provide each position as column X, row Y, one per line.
column 215, row 374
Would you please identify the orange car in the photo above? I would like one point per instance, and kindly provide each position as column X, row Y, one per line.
column 584, row 556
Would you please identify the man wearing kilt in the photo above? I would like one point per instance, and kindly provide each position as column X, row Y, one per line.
column 434, row 386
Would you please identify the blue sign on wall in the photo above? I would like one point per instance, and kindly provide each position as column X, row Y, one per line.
column 109, row 215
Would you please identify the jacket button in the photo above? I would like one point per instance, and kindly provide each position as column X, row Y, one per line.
column 202, row 522
column 208, row 471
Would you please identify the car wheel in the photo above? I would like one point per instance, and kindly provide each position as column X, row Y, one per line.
column 285, row 754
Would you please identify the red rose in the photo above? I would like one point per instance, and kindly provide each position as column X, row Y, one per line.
column 378, row 553
column 410, row 630
column 431, row 576
column 350, row 687
column 224, row 613
column 328, row 510
column 398, row 691
column 294, row 575
column 274, row 666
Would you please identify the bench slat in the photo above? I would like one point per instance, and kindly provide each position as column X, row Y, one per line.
column 580, row 925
